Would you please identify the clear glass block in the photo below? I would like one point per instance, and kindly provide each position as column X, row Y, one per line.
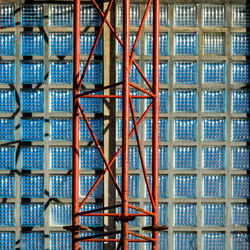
column 185, row 44
column 61, row 101
column 214, row 44
column 241, row 215
column 134, row 74
column 60, row 15
column 61, row 44
column 91, row 245
column 32, row 158
column 61, row 129
column 241, row 186
column 60, row 240
column 214, row 158
column 7, row 240
column 163, row 129
column 7, row 44
column 90, row 158
column 61, row 158
column 32, row 215
column 163, row 101
column 240, row 240
column 7, row 101
column 93, row 74
column 7, row 15
column 214, row 215
column 241, row 101
column 185, row 157
column 240, row 44
column 32, row 186
column 135, row 101
column 97, row 126
column 214, row 101
column 61, row 186
column 214, row 241
column 163, row 157
column 32, row 101
column 185, row 215
column 134, row 158
column 213, row 15
column 60, row 215
column 185, row 186
column 7, row 72
column 92, row 105
column 87, row 41
column 90, row 15
column 241, row 158
column 133, row 186
column 163, row 214
column 185, row 101
column 32, row 72
column 132, row 38
column 240, row 72
column 7, row 212
column 214, row 72
column 163, row 72
column 134, row 15
column 163, row 16
column 240, row 16
column 163, row 186
column 32, row 240
column 32, row 15
column 240, row 130
column 7, row 186
column 185, row 72
column 32, row 129
column 61, row 72
column 7, row 158
column 185, row 240
column 32, row 44
column 214, row 186
column 87, row 182
column 7, row 129
column 163, row 43
column 185, row 15
column 214, row 129
column 185, row 129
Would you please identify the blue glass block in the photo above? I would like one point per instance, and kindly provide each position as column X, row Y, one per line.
column 187, row 241
column 163, row 241
column 185, row 101
column 90, row 158
column 185, row 72
column 136, row 221
column 61, row 44
column 241, row 215
column 163, row 157
column 240, row 72
column 60, row 240
column 7, row 186
column 86, row 43
column 214, row 44
column 91, row 245
column 241, row 186
column 214, row 186
column 213, row 15
column 185, row 15
column 7, row 240
column 241, row 101
column 61, row 158
column 163, row 186
column 97, row 126
column 134, row 158
column 163, row 214
column 61, row 100
column 214, row 215
column 32, row 240
column 185, row 215
column 32, row 129
column 214, row 129
column 240, row 44
column 134, row 76
column 7, row 129
column 241, row 130
column 7, row 101
column 87, row 182
column 240, row 158
column 163, row 43
column 7, row 212
column 185, row 129
column 214, row 158
column 163, row 129
column 90, row 15
column 7, row 44
column 60, row 214
column 214, row 241
column 185, row 157
column 61, row 129
column 185, row 44
column 163, row 72
column 32, row 186
column 134, row 15
column 133, row 186
column 7, row 158
column 163, row 16
column 32, row 72
column 32, row 15
column 214, row 72
column 61, row 72
column 7, row 15
column 93, row 74
column 240, row 240
column 32, row 215
column 135, row 101
column 61, row 186
column 214, row 101
column 185, row 186
column 32, row 44
column 240, row 15
column 92, row 105
column 7, row 72
column 32, row 158
column 60, row 15
column 32, row 101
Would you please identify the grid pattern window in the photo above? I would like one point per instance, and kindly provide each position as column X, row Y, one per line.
column 7, row 44
column 32, row 44
column 32, row 15
column 185, row 15
column 61, row 15
column 7, row 15
column 213, row 15
column 7, row 101
column 32, row 101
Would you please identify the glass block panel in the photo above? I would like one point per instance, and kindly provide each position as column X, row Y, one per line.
column 61, row 158
column 185, row 157
column 185, row 15
column 7, row 240
column 7, row 186
column 214, row 157
column 61, row 129
column 32, row 101
column 7, row 44
column 32, row 72
column 213, row 15
column 163, row 43
column 32, row 186
column 60, row 214
column 240, row 130
column 187, row 241
column 7, row 72
column 163, row 214
column 164, row 102
column 214, row 186
column 90, row 158
column 61, row 186
column 214, row 215
column 32, row 215
column 163, row 16
column 214, row 72
column 240, row 44
column 7, row 17
column 7, row 101
column 214, row 241
column 97, row 126
column 214, row 101
column 185, row 129
column 185, row 215
column 91, row 245
column 214, row 129
column 241, row 158
column 7, row 158
column 134, row 74
column 60, row 240
column 32, row 129
column 93, row 74
column 92, row 105
column 163, row 72
column 32, row 158
column 7, row 212
column 61, row 44
column 163, row 129
column 135, row 101
column 60, row 15
column 133, row 186
column 185, row 72
column 240, row 16
column 240, row 72
column 134, row 15
column 32, row 44
column 61, row 72
column 32, row 240
column 185, row 186
column 163, row 157
column 214, row 44
column 185, row 101
column 90, row 15
column 241, row 215
column 87, row 41
column 241, row 101
column 185, row 44
column 240, row 240
column 61, row 100
column 32, row 15
column 163, row 186
column 241, row 186
column 7, row 129
column 87, row 182
column 132, row 38
column 134, row 161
